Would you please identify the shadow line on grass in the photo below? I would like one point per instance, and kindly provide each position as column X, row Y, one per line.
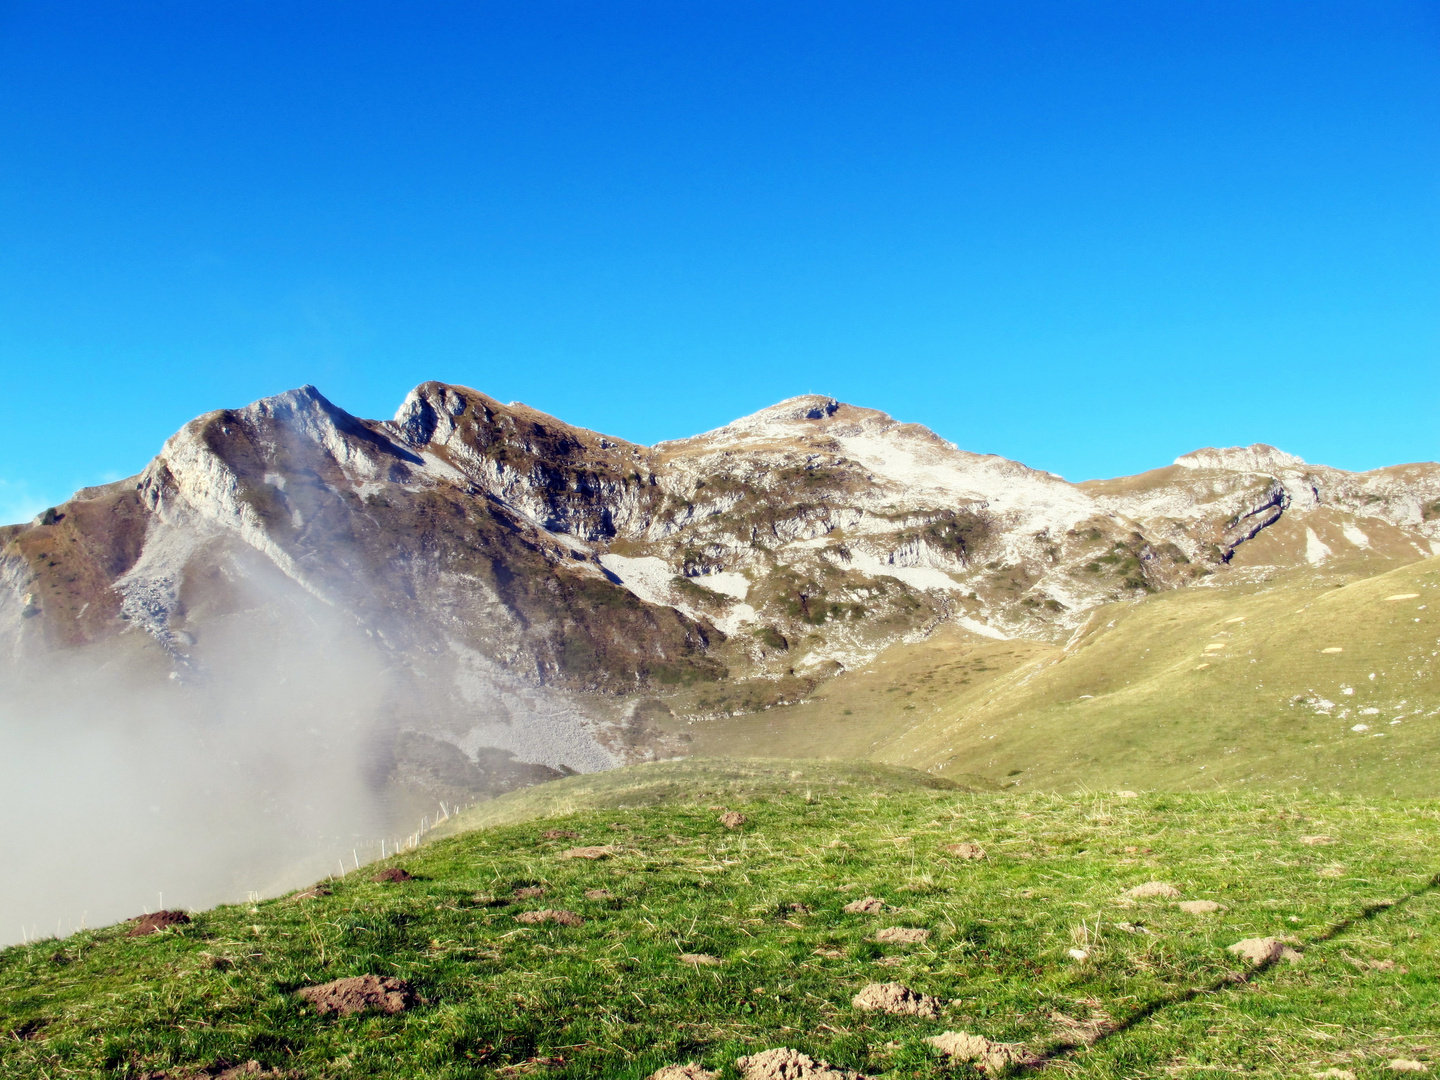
column 1366, row 913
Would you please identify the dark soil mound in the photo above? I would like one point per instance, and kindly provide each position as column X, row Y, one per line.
column 148, row 924
column 359, row 993
column 393, row 874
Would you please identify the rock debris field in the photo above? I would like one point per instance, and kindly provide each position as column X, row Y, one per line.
column 1093, row 934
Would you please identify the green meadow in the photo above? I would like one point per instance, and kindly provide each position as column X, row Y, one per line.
column 696, row 942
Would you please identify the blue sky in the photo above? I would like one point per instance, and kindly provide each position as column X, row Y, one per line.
column 1087, row 236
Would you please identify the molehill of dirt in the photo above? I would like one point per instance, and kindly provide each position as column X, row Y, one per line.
column 688, row 1071
column 783, row 1063
column 559, row 834
column 902, row 935
column 1263, row 951
column 992, row 1057
column 586, row 853
column 732, row 819
column 898, row 999
column 394, row 873
column 549, row 915
column 1198, row 907
column 966, row 851
column 1153, row 889
column 529, row 892
column 159, row 920
column 251, row 1070
column 30, row 1029
column 870, row 905
column 360, row 993
column 700, row 959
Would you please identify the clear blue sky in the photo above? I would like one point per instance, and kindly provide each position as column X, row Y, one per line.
column 1090, row 236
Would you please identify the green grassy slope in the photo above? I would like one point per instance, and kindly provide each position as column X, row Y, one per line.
column 1186, row 690
column 693, row 780
column 1156, row 995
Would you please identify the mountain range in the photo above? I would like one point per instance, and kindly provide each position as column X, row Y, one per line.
column 534, row 599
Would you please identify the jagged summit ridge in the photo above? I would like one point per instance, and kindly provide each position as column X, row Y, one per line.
column 1256, row 458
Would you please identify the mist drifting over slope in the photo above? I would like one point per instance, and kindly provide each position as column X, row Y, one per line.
column 252, row 769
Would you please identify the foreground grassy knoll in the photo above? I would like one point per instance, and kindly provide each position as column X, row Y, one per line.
column 1315, row 678
column 694, row 941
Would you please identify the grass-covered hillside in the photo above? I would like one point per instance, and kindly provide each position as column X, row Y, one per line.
column 681, row 939
column 1324, row 679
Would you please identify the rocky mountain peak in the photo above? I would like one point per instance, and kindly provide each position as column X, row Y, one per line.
column 425, row 408
column 1256, row 458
